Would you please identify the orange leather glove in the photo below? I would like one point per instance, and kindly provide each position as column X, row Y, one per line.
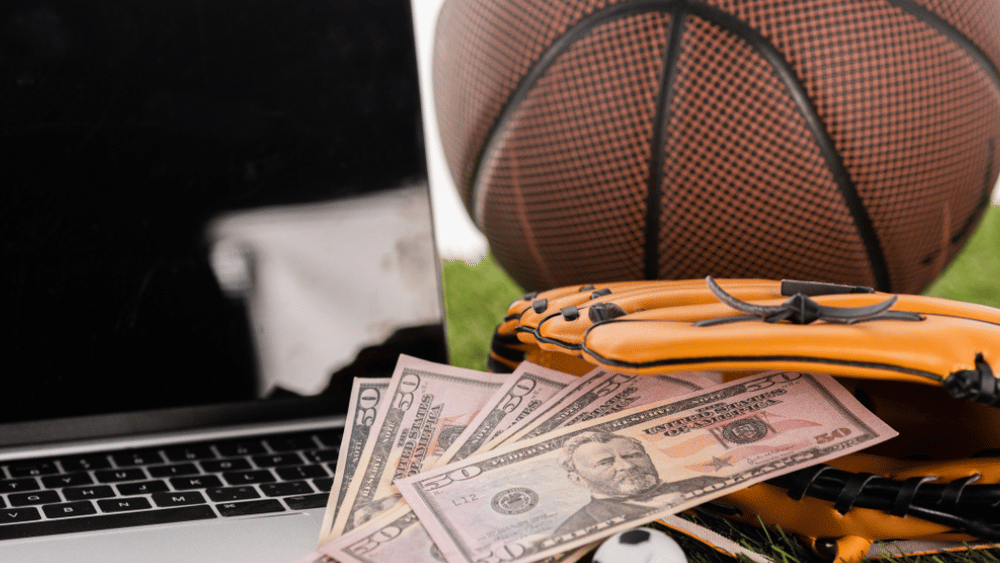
column 926, row 366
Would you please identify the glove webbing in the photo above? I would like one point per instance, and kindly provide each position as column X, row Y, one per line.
column 802, row 310
column 978, row 385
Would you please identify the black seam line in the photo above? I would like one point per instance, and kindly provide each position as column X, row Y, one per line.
column 984, row 321
column 984, row 62
column 538, row 328
column 755, row 359
column 511, row 354
column 841, row 176
column 984, row 199
column 505, row 337
column 847, row 187
column 581, row 346
column 548, row 339
column 557, row 48
column 658, row 145
column 506, row 342
column 497, row 366
column 953, row 34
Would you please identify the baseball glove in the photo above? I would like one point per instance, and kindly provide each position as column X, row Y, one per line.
column 924, row 365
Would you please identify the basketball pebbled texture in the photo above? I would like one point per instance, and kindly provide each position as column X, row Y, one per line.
column 849, row 141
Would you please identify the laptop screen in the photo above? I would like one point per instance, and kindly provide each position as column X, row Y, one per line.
column 207, row 203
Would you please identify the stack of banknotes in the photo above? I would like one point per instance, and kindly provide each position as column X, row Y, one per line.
column 440, row 463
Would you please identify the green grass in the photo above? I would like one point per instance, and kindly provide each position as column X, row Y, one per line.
column 974, row 275
column 477, row 298
column 773, row 543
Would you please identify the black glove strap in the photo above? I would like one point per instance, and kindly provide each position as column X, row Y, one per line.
column 851, row 490
column 978, row 384
column 904, row 498
column 964, row 508
column 801, row 309
column 804, row 479
column 952, row 492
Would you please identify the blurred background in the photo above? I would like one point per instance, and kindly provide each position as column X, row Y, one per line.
column 457, row 237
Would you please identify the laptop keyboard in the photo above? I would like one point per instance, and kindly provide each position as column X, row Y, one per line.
column 221, row 479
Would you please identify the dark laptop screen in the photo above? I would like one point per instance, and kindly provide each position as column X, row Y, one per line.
column 127, row 128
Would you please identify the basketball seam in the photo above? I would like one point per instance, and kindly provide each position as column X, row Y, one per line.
column 677, row 9
column 953, row 34
column 759, row 43
column 657, row 145
column 814, row 122
column 989, row 68
column 984, row 199
column 546, row 60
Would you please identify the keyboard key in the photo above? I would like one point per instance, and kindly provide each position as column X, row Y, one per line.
column 13, row 515
column 17, row 485
column 37, row 497
column 119, row 475
column 142, row 488
column 307, row 501
column 278, row 460
column 199, row 482
column 131, row 458
column 286, row 489
column 247, row 477
column 330, row 438
column 33, row 468
column 123, row 504
column 84, row 493
column 179, row 498
column 218, row 466
column 106, row 522
column 320, row 456
column 233, row 448
column 291, row 442
column 191, row 452
column 223, row 494
column 173, row 470
column 67, row 509
column 250, row 507
column 325, row 484
column 85, row 462
column 67, row 480
column 301, row 472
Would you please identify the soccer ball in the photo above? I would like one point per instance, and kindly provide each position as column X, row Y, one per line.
column 640, row 545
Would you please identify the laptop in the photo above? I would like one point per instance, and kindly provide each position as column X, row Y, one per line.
column 215, row 216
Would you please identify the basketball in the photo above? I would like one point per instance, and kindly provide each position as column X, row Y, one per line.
column 848, row 141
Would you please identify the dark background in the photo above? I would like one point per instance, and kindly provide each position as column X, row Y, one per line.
column 125, row 126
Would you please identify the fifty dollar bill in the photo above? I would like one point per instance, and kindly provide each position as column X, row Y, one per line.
column 612, row 393
column 400, row 536
column 537, row 498
column 366, row 396
column 526, row 390
column 428, row 406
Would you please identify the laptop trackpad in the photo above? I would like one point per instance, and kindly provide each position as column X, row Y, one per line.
column 275, row 539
